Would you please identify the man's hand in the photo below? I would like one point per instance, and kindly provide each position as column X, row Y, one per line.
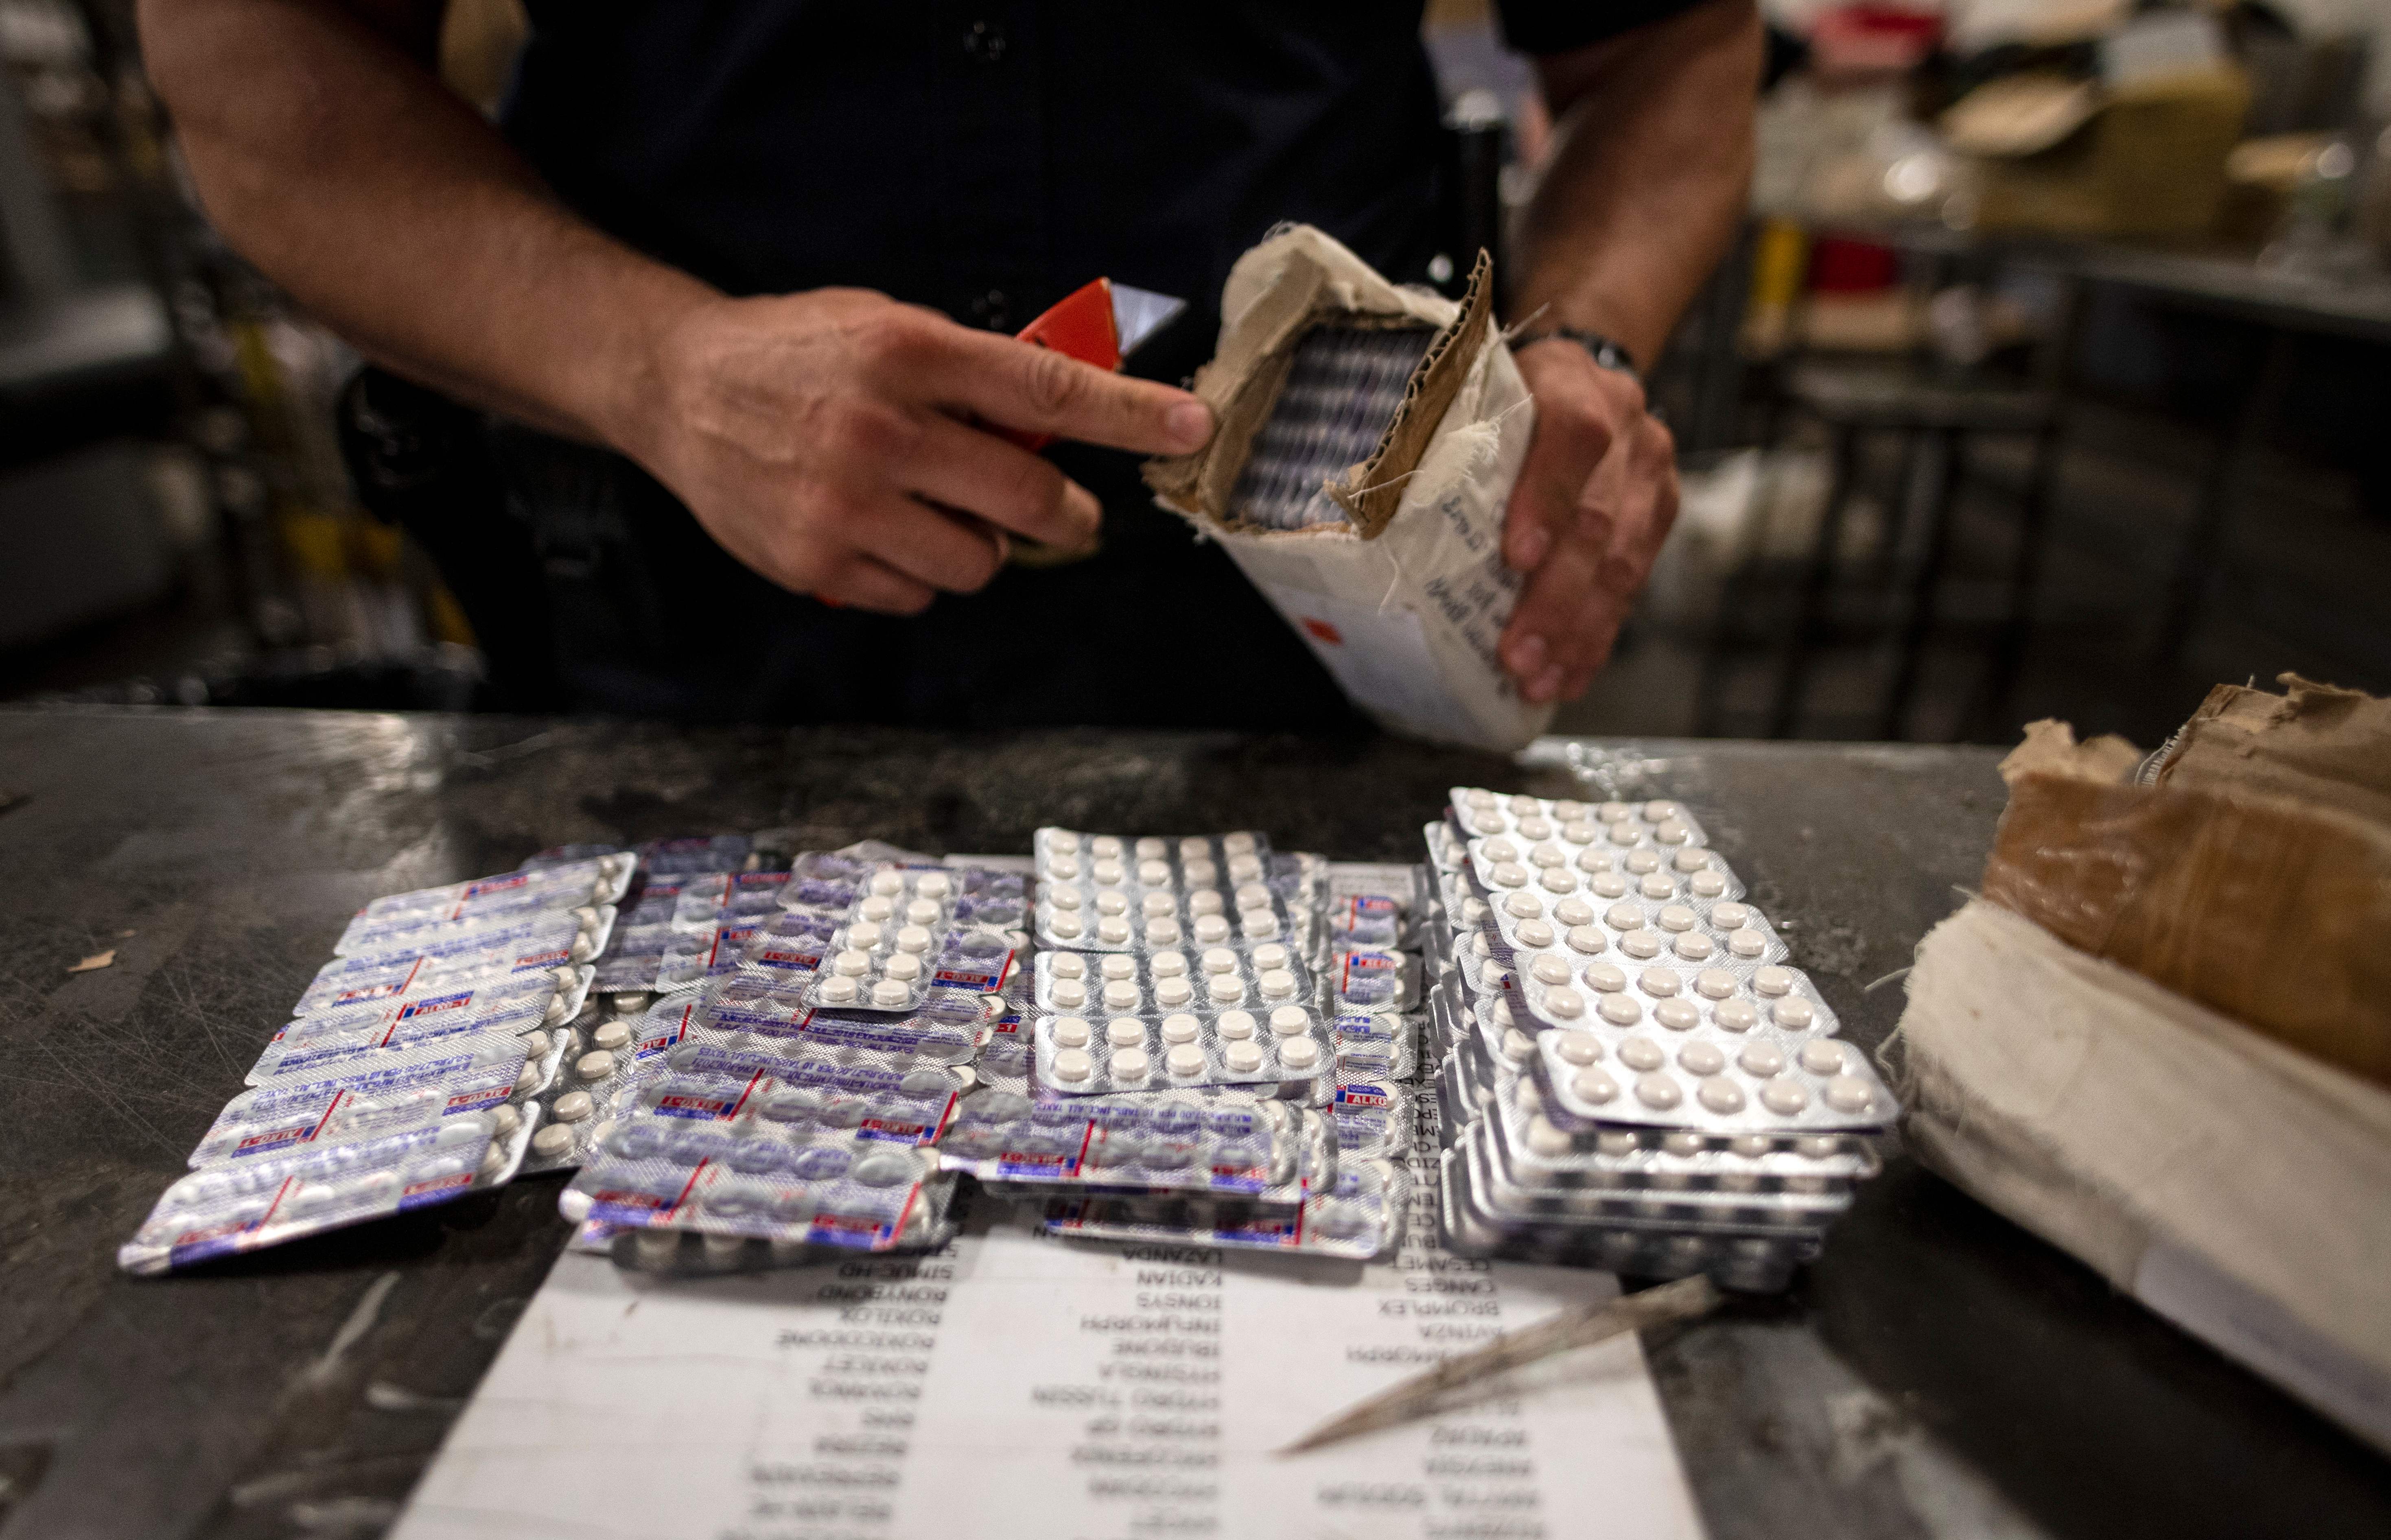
column 834, row 440
column 1592, row 505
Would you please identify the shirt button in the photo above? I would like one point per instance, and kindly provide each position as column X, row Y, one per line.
column 991, row 309
column 985, row 42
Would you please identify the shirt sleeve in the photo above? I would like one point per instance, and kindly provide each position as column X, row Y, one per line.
column 1558, row 26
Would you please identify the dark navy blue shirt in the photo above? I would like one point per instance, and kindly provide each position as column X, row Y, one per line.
column 985, row 159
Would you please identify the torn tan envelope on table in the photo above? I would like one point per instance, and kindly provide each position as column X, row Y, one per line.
column 1404, row 599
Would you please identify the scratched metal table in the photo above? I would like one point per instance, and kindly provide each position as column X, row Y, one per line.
column 1938, row 1372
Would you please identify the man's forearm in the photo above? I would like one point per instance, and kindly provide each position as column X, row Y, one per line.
column 349, row 175
column 1648, row 176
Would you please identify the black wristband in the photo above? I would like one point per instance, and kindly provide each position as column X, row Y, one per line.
column 1605, row 351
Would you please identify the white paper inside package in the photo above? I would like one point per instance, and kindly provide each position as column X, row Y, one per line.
column 1404, row 602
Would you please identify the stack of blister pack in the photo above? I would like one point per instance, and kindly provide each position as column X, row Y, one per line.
column 1632, row 1077
column 1219, row 1035
column 410, row 1071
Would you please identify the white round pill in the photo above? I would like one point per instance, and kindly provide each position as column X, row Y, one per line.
column 1596, row 863
column 1821, row 1055
column 551, row 1141
column 1499, row 850
column 1069, row 1032
column 1109, row 871
column 1658, row 981
column 1234, row 1025
column 1130, row 1065
column 1608, row 885
column 1523, row 906
column 1184, row 1061
column 594, row 1066
column 1693, row 946
column 1509, row 874
column 1524, row 806
column 1244, row 869
column 1481, row 798
column 1706, row 884
column 1065, row 965
column 1818, row 1147
column 1112, row 930
column 1270, row 954
column 1643, row 945
column 1784, row 1096
column 1517, row 1047
column 1121, row 995
column 922, row 911
column 1573, row 911
column 572, row 1107
column 1792, row 1013
column 1252, row 895
column 1154, row 874
column 1677, row 1015
column 1658, row 1090
column 1535, row 826
column 1125, row 1032
column 1736, row 1015
column 1618, row 1141
column 1288, row 1021
column 1577, row 1048
column 891, row 993
column 934, row 885
column 1655, row 811
column 1154, row 905
column 1761, row 1060
column 1657, row 887
column 1546, row 1137
column 1119, row 965
column 904, row 967
column 1624, row 834
column 1069, row 993
column 1672, row 833
column 1162, row 933
column 1623, row 917
column 1198, row 873
column 1111, row 901
column 1168, row 965
column 1180, row 1027
column 1586, row 939
column 1210, row 929
column 1577, row 831
column 1558, row 882
column 836, row 989
column 1225, row 989
column 1298, row 1052
column 851, row 964
column 1676, row 917
column 1239, row 843
column 505, row 1119
column 610, row 1034
column 1593, row 1086
column 1205, row 902
column 1150, row 848
column 1242, row 1057
column 1641, row 861
column 1750, row 1145
column 1772, row 981
column 1277, row 984
column 1073, row 1065
column 888, row 884
column 1605, row 978
column 863, row 935
column 1727, row 917
column 1721, row 1094
column 1547, row 854
column 1714, row 983
column 912, row 938
column 1747, row 944
column 1258, row 924
column 1219, row 959
column 1171, row 993
column 1062, row 840
column 1701, row 1058
column 1498, row 1011
column 1564, row 1004
column 1063, row 868
column 1066, row 926
column 1849, row 1094
column 1621, row 1010
column 1535, row 932
column 1641, row 1053
column 1550, row 971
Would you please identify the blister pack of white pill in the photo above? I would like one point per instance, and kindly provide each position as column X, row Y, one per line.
column 1483, row 815
column 691, row 957
column 915, row 929
column 1082, row 915
column 1183, row 862
column 513, row 1002
column 1707, row 1209
column 790, row 1183
column 1214, row 979
column 1211, row 1140
column 1374, row 1118
column 318, row 1048
column 246, row 1205
column 570, row 885
column 1357, row 1215
column 928, row 1226
column 420, row 1084
column 1537, row 1152
column 551, row 942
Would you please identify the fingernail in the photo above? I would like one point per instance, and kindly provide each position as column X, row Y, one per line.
column 1528, row 656
column 1531, row 547
column 1190, row 424
column 1547, row 686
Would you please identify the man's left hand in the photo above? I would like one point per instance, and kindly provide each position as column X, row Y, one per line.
column 1592, row 505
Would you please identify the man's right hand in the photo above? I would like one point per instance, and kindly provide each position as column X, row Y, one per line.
column 838, row 443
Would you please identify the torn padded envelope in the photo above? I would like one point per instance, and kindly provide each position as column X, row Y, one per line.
column 1368, row 436
column 1341, row 395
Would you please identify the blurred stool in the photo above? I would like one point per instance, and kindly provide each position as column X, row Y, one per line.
column 1922, row 409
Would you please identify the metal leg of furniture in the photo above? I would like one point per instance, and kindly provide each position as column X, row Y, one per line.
column 1918, row 622
column 2025, row 572
column 1793, row 672
column 2195, row 567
